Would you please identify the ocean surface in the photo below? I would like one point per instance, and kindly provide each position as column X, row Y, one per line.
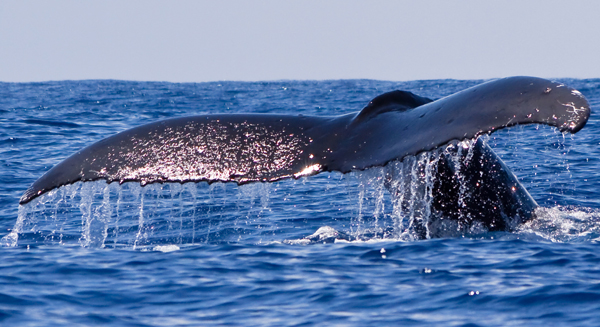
column 195, row 254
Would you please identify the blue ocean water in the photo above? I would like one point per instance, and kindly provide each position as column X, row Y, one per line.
column 220, row 254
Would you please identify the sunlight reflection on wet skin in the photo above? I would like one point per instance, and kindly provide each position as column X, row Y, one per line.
column 98, row 214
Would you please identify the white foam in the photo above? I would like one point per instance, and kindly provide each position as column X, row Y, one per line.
column 166, row 248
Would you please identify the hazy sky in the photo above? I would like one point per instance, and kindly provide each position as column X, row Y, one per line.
column 195, row 41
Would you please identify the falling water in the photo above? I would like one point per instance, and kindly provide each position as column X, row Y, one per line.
column 137, row 216
column 390, row 202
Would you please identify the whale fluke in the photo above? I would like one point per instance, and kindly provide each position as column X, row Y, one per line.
column 246, row 148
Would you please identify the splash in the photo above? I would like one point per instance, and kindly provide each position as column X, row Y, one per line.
column 563, row 224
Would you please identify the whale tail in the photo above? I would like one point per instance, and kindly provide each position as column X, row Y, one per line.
column 245, row 148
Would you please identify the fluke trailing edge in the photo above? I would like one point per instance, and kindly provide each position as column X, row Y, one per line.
column 246, row 148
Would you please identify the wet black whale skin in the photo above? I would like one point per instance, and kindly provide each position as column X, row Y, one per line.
column 246, row 148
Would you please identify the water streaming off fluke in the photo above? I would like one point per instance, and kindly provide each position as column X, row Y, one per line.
column 391, row 202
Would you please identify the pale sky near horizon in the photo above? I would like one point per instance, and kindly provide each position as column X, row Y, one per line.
column 197, row 41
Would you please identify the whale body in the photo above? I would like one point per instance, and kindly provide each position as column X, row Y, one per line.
column 245, row 148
